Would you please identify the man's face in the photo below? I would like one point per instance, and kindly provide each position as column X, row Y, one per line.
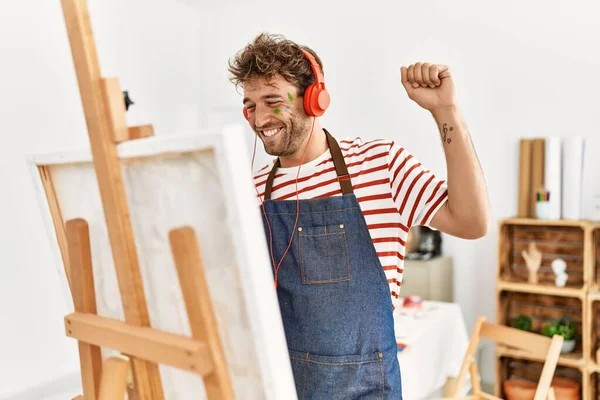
column 276, row 115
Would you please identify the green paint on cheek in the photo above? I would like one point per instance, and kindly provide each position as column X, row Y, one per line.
column 290, row 97
column 277, row 111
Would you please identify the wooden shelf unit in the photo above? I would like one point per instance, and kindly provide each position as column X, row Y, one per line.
column 578, row 244
column 595, row 279
column 594, row 328
column 508, row 366
column 574, row 360
column 594, row 387
column 541, row 289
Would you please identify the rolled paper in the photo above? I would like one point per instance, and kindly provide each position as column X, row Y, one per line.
column 553, row 176
column 572, row 179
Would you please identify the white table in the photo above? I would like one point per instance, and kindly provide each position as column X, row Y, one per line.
column 436, row 341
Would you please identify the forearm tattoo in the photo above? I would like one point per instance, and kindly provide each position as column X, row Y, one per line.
column 445, row 129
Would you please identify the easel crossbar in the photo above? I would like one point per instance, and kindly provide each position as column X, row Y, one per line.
column 146, row 343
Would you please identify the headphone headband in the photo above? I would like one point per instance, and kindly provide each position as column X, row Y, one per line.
column 316, row 97
column 315, row 67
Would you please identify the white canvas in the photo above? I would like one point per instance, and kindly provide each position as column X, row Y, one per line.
column 201, row 180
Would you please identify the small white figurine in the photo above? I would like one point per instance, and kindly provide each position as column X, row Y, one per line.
column 559, row 266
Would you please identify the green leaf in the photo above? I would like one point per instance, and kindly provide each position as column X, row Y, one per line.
column 523, row 323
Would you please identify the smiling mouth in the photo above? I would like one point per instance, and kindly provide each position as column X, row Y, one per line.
column 270, row 132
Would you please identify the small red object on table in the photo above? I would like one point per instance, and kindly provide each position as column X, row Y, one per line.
column 415, row 302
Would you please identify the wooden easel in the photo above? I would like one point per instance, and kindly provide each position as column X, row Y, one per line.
column 142, row 347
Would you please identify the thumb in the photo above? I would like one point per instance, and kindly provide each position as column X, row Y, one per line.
column 444, row 71
column 404, row 80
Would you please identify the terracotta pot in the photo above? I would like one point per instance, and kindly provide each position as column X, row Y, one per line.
column 566, row 389
column 521, row 389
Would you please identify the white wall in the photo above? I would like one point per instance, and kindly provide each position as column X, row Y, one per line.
column 523, row 69
column 153, row 47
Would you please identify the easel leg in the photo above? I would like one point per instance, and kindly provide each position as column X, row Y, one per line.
column 203, row 323
column 114, row 379
column 101, row 133
column 84, row 299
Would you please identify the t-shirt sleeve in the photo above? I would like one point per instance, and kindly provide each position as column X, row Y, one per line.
column 417, row 192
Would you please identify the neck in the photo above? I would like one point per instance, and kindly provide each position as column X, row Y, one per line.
column 317, row 146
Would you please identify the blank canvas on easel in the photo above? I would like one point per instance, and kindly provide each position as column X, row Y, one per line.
column 200, row 181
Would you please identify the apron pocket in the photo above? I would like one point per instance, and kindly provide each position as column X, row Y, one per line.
column 338, row 377
column 323, row 254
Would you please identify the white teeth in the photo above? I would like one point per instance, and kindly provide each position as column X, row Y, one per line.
column 271, row 132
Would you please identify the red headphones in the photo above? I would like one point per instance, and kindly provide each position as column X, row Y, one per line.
column 316, row 101
column 316, row 96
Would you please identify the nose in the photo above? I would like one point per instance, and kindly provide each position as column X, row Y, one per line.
column 262, row 115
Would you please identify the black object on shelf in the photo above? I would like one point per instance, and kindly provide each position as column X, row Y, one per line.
column 127, row 100
column 428, row 245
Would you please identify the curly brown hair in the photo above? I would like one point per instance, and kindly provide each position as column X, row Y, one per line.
column 271, row 54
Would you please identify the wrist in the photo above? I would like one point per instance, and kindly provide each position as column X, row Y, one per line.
column 445, row 112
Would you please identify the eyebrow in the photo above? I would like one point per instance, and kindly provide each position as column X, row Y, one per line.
column 266, row 96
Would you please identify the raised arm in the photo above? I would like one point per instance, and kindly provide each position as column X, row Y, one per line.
column 466, row 212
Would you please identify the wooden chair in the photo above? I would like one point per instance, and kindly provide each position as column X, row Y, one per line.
column 537, row 346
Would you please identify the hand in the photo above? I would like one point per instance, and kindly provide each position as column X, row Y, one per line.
column 533, row 260
column 429, row 85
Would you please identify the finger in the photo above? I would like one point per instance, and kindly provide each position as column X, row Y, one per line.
column 404, row 79
column 434, row 72
column 419, row 73
column 404, row 74
column 425, row 72
column 411, row 75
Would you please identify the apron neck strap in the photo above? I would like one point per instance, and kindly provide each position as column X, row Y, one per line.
column 338, row 161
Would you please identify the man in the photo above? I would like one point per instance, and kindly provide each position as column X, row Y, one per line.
column 337, row 215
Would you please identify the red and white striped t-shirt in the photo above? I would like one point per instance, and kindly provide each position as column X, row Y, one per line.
column 394, row 191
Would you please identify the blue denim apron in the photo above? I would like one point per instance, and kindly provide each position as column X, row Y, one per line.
column 334, row 296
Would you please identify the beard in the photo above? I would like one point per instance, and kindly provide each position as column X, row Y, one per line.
column 289, row 139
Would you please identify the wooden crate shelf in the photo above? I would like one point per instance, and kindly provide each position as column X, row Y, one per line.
column 564, row 240
column 595, row 279
column 594, row 329
column 574, row 360
column 548, row 222
column 594, row 387
column 542, row 308
column 541, row 289
column 509, row 367
column 578, row 244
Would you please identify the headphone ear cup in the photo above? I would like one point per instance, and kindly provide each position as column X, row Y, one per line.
column 322, row 99
column 308, row 100
column 245, row 111
column 316, row 100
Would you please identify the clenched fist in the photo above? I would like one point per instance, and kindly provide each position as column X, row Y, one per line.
column 429, row 85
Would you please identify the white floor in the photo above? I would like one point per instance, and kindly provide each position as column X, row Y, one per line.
column 61, row 389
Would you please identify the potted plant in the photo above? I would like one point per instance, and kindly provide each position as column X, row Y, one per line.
column 523, row 323
column 563, row 327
